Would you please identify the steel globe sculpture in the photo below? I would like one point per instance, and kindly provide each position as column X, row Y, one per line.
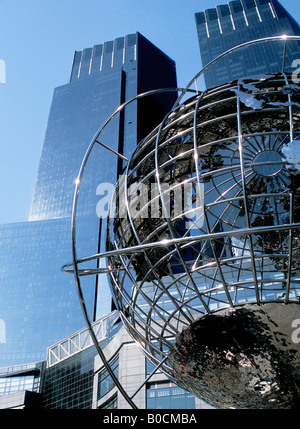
column 210, row 205
column 203, row 244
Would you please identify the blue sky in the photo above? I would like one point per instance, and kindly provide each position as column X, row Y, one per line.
column 37, row 42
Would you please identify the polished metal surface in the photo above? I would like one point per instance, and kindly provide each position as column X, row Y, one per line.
column 241, row 357
column 206, row 218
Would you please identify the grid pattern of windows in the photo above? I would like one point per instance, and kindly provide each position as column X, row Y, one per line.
column 165, row 395
column 69, row 384
column 16, row 384
column 21, row 377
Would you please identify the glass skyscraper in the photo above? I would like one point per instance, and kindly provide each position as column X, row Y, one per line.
column 101, row 79
column 229, row 25
column 38, row 302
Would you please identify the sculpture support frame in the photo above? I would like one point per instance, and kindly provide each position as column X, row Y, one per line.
column 173, row 240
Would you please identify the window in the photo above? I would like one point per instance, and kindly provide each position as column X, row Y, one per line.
column 112, row 404
column 105, row 382
column 165, row 395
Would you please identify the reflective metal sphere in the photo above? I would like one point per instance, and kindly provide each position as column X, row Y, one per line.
column 203, row 244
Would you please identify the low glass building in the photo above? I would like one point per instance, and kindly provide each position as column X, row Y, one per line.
column 73, row 377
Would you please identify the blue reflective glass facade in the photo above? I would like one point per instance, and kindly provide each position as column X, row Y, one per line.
column 38, row 302
column 22, row 377
column 240, row 21
column 69, row 384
